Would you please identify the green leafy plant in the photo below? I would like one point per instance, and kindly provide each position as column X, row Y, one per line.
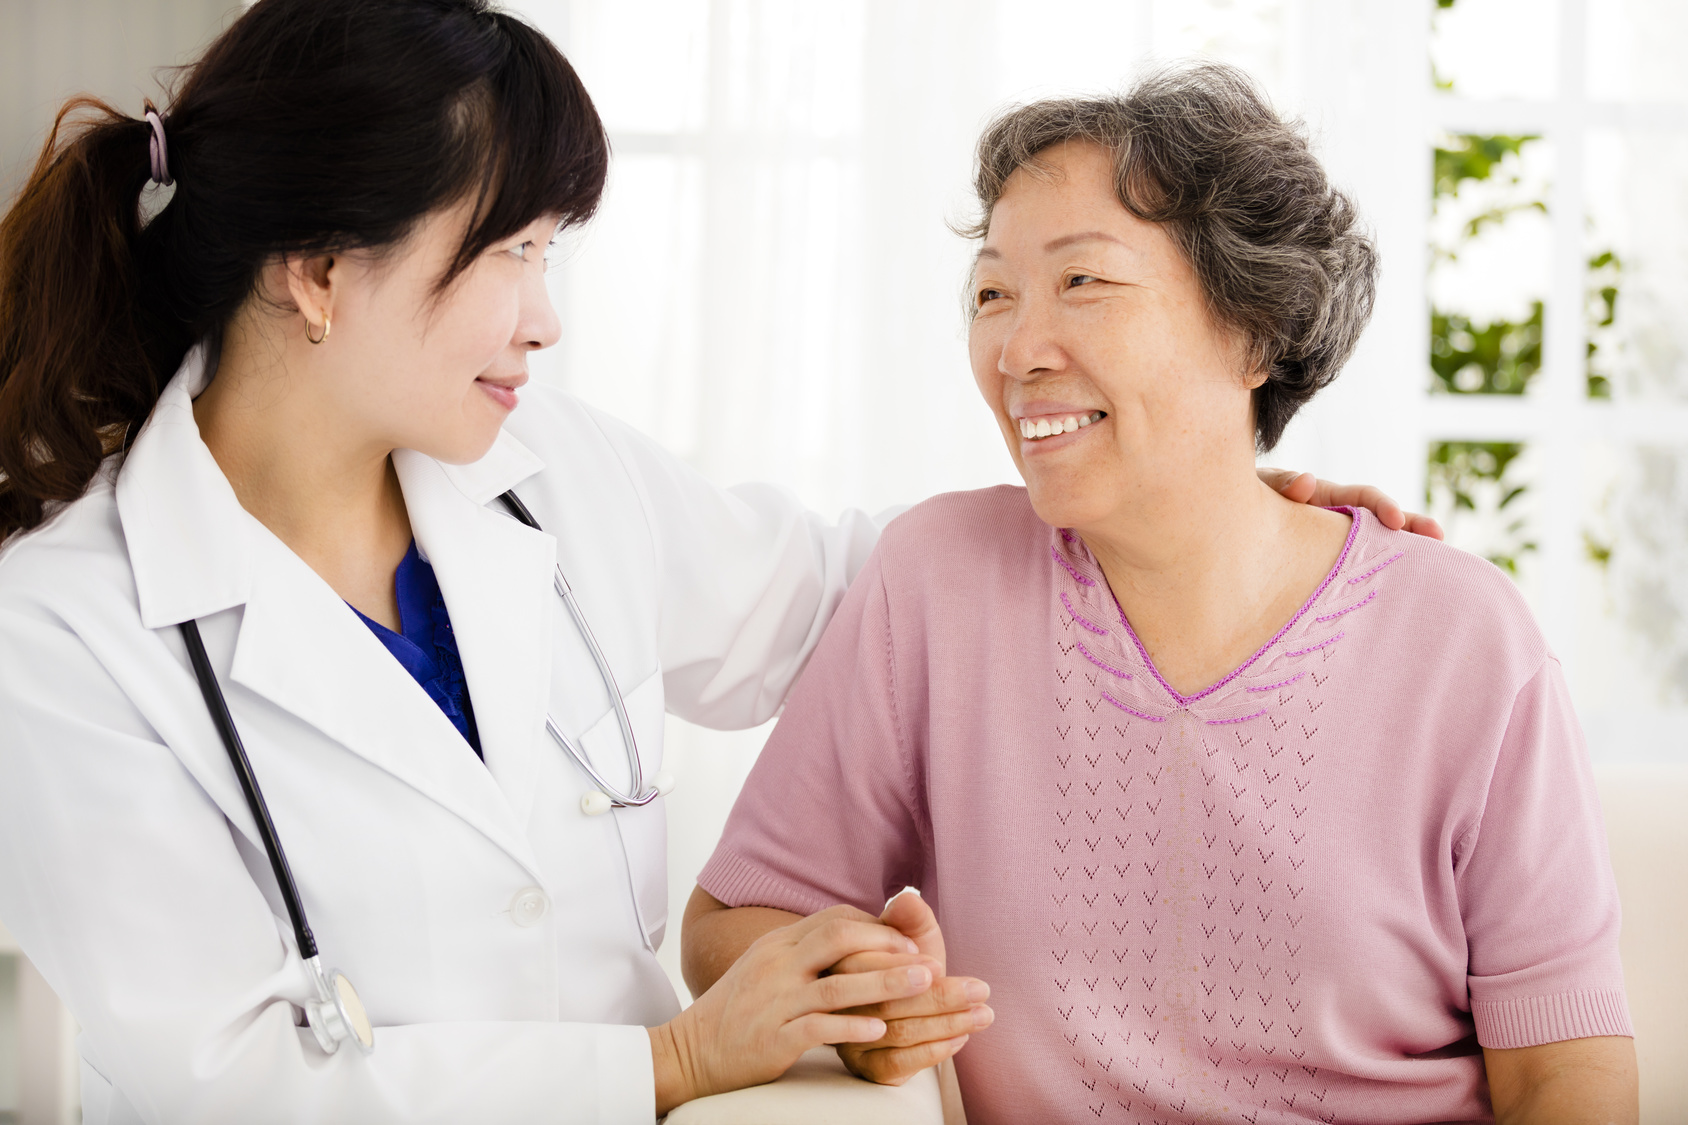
column 1605, row 271
column 1468, row 471
column 1498, row 358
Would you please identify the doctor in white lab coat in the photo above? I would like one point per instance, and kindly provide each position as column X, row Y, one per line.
column 245, row 413
column 503, row 941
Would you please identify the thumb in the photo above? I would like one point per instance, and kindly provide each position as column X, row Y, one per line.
column 909, row 914
column 1290, row 484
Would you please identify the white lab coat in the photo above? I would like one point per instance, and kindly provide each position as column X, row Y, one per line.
column 130, row 869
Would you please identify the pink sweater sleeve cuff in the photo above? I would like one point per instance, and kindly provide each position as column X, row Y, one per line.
column 738, row 882
column 1534, row 1020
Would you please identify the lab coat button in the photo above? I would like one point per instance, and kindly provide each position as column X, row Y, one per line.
column 529, row 906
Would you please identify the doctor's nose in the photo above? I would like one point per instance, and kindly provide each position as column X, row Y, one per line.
column 537, row 325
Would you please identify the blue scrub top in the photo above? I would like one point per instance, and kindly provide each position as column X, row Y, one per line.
column 428, row 649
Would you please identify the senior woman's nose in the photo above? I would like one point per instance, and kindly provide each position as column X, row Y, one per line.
column 1030, row 346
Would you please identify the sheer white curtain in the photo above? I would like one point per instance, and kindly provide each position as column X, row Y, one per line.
column 772, row 288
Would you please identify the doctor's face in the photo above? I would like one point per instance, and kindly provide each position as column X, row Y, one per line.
column 408, row 367
column 1092, row 344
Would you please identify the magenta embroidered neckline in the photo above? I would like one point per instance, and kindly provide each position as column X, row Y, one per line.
column 1133, row 710
column 1071, row 569
column 1279, row 684
column 1090, row 656
column 1359, row 578
column 1335, row 613
column 1083, row 621
column 1186, row 700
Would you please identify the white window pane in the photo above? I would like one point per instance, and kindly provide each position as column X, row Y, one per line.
column 1491, row 253
column 1496, row 48
column 644, row 64
column 626, row 295
column 1084, row 46
column 1637, row 194
column 1635, row 50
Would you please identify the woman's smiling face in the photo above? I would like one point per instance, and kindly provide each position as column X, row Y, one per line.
column 1090, row 326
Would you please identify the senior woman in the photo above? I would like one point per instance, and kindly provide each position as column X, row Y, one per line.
column 1246, row 810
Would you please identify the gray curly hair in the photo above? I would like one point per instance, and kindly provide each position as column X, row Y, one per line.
column 1278, row 252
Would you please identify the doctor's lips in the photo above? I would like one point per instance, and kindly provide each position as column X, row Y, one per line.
column 1039, row 426
column 503, row 388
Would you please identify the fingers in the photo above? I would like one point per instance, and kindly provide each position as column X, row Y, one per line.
column 909, row 913
column 821, row 918
column 1423, row 525
column 856, row 990
column 933, row 1029
column 1388, row 513
column 892, row 1066
column 873, row 962
column 947, row 995
column 817, row 1028
column 1305, row 488
column 1290, row 484
column 829, row 942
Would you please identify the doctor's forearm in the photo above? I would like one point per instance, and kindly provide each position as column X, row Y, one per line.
column 714, row 935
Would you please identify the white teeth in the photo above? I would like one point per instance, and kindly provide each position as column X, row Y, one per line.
column 1043, row 427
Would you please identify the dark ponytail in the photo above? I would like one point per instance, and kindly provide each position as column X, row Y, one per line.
column 308, row 126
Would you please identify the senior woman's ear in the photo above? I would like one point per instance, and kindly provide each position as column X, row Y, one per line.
column 1305, row 488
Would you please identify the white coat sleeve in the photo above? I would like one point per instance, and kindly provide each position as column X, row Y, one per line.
column 121, row 880
column 748, row 579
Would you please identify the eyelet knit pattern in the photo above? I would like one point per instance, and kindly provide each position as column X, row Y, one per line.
column 1177, row 836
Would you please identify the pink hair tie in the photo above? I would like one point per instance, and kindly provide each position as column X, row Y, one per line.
column 159, row 152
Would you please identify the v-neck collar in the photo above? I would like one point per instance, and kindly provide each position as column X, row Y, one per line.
column 1085, row 597
column 1185, row 700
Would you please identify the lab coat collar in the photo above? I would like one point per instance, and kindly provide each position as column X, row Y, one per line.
column 188, row 537
column 496, row 575
column 190, row 541
column 195, row 552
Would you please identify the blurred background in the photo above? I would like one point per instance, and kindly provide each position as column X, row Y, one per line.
column 772, row 291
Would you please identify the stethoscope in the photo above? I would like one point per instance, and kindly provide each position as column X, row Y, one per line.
column 337, row 1016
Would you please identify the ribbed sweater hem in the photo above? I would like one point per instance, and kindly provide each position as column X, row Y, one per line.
column 1533, row 1020
column 738, row 882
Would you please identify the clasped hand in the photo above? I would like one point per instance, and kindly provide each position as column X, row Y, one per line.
column 920, row 1030
column 875, row 988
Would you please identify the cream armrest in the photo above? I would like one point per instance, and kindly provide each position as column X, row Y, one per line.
column 818, row 1089
column 1649, row 839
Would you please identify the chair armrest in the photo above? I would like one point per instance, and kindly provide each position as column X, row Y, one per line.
column 818, row 1089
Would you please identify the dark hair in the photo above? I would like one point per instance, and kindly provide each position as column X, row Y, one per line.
column 308, row 126
column 1278, row 252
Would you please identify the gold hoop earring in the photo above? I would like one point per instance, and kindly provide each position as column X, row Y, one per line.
column 326, row 325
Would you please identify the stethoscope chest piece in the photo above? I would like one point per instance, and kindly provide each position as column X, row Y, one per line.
column 337, row 1015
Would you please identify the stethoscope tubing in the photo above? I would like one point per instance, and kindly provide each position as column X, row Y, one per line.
column 640, row 795
column 224, row 722
column 331, row 1016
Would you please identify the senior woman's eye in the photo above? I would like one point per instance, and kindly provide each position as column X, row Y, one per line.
column 986, row 295
column 1079, row 279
